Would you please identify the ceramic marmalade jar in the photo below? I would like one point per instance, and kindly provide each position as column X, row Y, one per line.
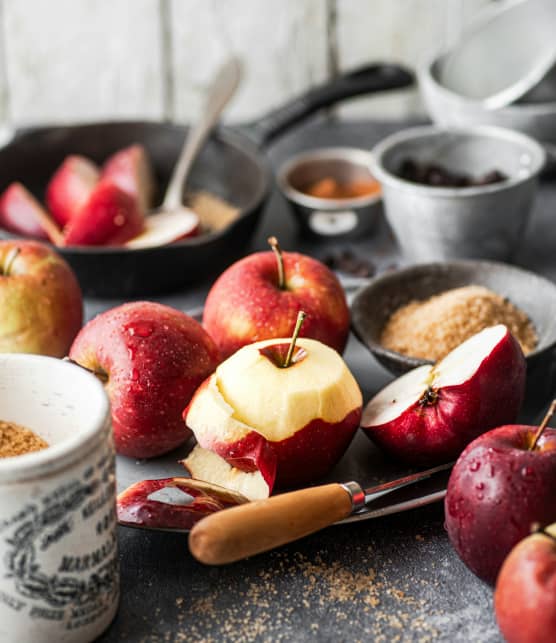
column 59, row 576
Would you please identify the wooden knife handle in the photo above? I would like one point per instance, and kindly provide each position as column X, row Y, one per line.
column 254, row 527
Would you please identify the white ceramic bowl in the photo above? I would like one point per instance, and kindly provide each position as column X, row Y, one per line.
column 59, row 576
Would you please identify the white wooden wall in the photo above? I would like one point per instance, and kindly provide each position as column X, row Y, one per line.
column 78, row 60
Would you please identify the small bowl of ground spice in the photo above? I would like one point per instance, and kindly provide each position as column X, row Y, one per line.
column 332, row 191
column 59, row 576
column 416, row 315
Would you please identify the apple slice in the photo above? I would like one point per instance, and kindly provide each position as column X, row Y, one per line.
column 109, row 217
column 21, row 213
column 273, row 422
column 166, row 227
column 131, row 171
column 172, row 503
column 430, row 414
column 70, row 187
column 203, row 464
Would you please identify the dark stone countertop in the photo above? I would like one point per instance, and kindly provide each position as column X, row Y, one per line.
column 393, row 579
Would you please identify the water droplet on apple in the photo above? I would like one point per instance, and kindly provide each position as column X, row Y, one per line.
column 475, row 465
column 480, row 496
column 491, row 471
column 134, row 374
column 480, row 486
column 528, row 473
column 141, row 329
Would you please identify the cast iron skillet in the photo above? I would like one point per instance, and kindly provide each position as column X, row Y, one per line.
column 231, row 166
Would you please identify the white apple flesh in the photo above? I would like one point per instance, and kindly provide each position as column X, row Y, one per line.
column 258, row 423
column 430, row 414
column 163, row 228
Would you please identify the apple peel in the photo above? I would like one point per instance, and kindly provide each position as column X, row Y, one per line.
column 172, row 503
column 203, row 464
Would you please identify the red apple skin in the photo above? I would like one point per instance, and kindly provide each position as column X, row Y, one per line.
column 245, row 304
column 17, row 212
column 40, row 300
column 70, row 187
column 525, row 596
column 431, row 434
column 131, row 171
column 155, row 357
column 108, row 217
column 497, row 490
column 311, row 453
column 135, row 508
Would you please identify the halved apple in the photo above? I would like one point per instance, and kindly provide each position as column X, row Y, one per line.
column 430, row 414
column 259, row 423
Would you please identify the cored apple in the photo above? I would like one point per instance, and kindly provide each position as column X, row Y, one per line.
column 18, row 212
column 70, row 187
column 131, row 171
column 430, row 414
column 40, row 300
column 172, row 503
column 259, row 423
column 260, row 296
column 525, row 596
column 108, row 217
column 151, row 358
column 501, row 485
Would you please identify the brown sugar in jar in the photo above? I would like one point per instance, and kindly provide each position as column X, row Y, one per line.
column 17, row 440
column 432, row 328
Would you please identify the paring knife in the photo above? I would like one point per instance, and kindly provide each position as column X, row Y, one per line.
column 255, row 527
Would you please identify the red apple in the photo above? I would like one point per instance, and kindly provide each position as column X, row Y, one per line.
column 40, row 300
column 152, row 358
column 18, row 212
column 70, row 187
column 525, row 596
column 259, row 298
column 131, row 171
column 502, row 483
column 260, row 423
column 108, row 217
column 428, row 415
column 172, row 503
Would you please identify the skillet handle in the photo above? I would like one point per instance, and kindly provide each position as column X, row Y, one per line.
column 365, row 80
column 239, row 532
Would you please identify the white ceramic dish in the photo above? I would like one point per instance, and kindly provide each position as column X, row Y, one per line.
column 59, row 576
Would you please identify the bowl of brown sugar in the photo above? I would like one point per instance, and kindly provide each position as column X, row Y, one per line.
column 416, row 315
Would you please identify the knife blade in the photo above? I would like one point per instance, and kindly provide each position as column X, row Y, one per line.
column 255, row 527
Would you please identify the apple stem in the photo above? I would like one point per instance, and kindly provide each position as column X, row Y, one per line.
column 543, row 425
column 298, row 324
column 273, row 243
column 101, row 375
column 10, row 262
column 536, row 528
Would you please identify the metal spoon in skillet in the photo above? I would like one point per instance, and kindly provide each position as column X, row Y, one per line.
column 173, row 220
